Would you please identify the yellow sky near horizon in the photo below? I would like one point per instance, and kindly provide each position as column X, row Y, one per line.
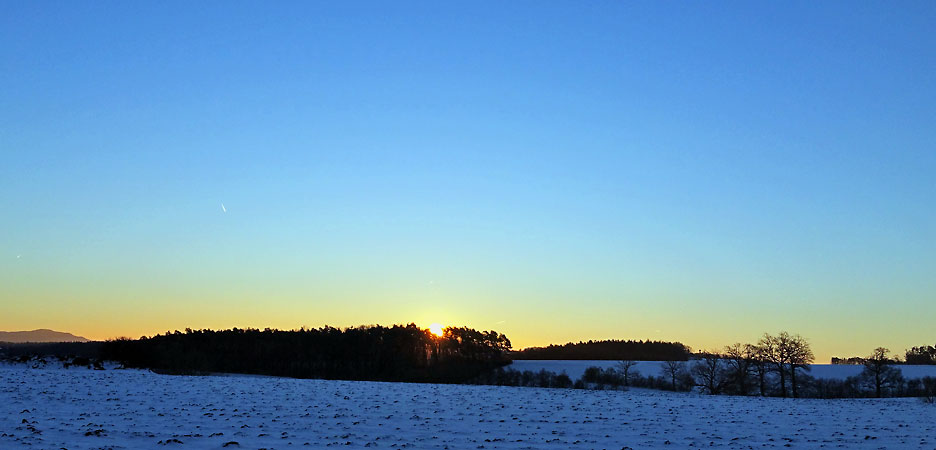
column 103, row 325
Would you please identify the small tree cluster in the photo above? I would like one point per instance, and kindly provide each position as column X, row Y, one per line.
column 773, row 366
column 925, row 354
column 779, row 366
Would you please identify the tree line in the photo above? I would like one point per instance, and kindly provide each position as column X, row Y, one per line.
column 23, row 351
column 608, row 350
column 922, row 355
column 775, row 366
column 376, row 353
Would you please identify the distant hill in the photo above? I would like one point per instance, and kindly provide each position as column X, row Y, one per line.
column 42, row 335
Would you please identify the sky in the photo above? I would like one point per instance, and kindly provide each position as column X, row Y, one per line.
column 703, row 172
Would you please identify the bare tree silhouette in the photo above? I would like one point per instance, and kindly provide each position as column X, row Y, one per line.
column 674, row 370
column 625, row 366
column 878, row 370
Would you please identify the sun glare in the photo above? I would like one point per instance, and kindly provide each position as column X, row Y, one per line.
column 436, row 329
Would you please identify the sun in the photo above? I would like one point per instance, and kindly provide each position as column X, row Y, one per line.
column 436, row 329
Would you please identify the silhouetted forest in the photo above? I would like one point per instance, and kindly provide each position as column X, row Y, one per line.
column 376, row 353
column 608, row 350
column 14, row 351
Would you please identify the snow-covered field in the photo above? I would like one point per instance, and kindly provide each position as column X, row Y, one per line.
column 575, row 369
column 56, row 408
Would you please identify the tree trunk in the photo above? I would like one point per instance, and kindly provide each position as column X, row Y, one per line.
column 782, row 380
column 761, row 375
column 877, row 383
column 793, row 378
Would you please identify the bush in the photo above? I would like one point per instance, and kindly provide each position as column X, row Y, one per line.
column 603, row 377
column 929, row 389
column 526, row 378
column 79, row 361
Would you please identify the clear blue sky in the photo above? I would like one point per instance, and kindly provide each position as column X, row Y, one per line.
column 557, row 171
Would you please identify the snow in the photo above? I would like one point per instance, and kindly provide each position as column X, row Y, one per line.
column 575, row 369
column 132, row 409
